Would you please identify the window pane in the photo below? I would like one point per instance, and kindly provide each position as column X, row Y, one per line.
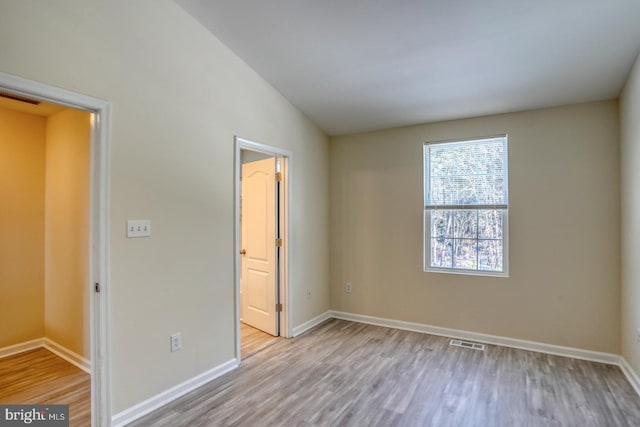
column 465, row 254
column 465, row 224
column 490, row 190
column 441, row 223
column 466, row 173
column 490, row 223
column 443, row 191
column 490, row 255
column 441, row 253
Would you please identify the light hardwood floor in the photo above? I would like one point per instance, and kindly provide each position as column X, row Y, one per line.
column 40, row 377
column 253, row 340
column 349, row 374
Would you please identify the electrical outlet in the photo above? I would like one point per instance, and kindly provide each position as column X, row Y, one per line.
column 176, row 341
column 638, row 335
column 347, row 288
column 308, row 293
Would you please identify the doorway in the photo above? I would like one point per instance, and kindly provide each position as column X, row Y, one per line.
column 92, row 275
column 44, row 254
column 262, row 246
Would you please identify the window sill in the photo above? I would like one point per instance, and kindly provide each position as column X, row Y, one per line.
column 468, row 272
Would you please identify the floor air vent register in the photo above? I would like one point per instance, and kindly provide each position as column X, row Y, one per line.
column 467, row 344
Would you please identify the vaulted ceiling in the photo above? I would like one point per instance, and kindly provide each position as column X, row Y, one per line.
column 361, row 65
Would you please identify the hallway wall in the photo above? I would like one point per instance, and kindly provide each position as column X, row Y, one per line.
column 66, row 256
column 22, row 156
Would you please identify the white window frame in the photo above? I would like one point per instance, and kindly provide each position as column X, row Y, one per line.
column 426, row 232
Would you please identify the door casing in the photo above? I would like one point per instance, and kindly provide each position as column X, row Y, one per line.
column 285, row 203
column 99, row 305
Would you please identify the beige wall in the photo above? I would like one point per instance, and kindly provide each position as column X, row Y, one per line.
column 21, row 227
column 630, row 177
column 67, row 216
column 564, row 229
column 179, row 97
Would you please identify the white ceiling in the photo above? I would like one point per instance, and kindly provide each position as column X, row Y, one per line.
column 360, row 65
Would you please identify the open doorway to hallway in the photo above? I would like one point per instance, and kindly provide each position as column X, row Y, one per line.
column 262, row 241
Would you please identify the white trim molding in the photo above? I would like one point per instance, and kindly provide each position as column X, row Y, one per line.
column 21, row 347
column 55, row 348
column 143, row 408
column 576, row 353
column 557, row 350
column 68, row 355
column 631, row 375
column 137, row 411
column 310, row 324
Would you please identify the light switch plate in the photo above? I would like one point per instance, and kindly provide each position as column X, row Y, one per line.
column 138, row 227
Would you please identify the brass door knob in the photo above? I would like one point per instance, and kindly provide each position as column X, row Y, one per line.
column 243, row 251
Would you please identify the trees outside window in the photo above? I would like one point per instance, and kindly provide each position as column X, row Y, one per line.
column 466, row 206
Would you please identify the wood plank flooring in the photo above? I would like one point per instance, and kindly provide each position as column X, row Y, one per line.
column 253, row 340
column 350, row 374
column 40, row 377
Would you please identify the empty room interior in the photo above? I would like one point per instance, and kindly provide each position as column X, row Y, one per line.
column 418, row 213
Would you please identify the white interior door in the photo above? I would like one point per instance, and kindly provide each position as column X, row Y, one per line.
column 258, row 254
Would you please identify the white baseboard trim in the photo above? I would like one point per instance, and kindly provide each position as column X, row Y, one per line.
column 143, row 408
column 68, row 355
column 576, row 353
column 21, row 347
column 309, row 324
column 631, row 375
column 55, row 348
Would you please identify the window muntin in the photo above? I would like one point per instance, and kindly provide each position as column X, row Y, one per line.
column 466, row 206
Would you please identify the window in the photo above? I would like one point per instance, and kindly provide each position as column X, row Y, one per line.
column 466, row 206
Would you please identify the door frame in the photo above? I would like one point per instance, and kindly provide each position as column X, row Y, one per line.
column 99, row 303
column 284, row 264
